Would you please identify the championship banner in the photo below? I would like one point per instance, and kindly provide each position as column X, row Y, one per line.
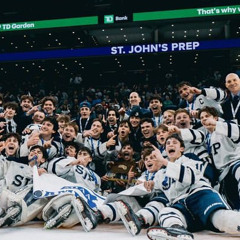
column 49, row 185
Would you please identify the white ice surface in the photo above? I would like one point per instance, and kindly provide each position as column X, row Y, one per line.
column 113, row 231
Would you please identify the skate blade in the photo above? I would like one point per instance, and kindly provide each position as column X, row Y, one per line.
column 85, row 222
column 122, row 211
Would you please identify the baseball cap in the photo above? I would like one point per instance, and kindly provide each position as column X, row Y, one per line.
column 85, row 104
column 136, row 113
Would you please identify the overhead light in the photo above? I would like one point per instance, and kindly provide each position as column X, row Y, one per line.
column 197, row 30
column 197, row 35
column 49, row 34
column 141, row 27
column 121, row 29
column 73, row 32
column 56, row 40
column 124, row 35
column 210, row 30
column 185, row 31
column 143, row 39
column 209, row 34
column 172, row 25
column 142, row 34
column 185, row 36
column 106, row 36
column 103, row 30
column 172, row 36
column 24, row 36
column 109, row 41
column 125, row 40
column 213, row 22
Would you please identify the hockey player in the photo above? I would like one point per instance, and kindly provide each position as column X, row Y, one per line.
column 76, row 170
column 17, row 203
column 195, row 99
column 194, row 205
column 222, row 140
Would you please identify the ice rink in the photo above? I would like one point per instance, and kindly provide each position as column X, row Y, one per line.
column 117, row 231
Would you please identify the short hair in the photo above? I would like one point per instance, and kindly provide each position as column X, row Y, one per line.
column 155, row 97
column 146, row 151
column 85, row 149
column 49, row 98
column 12, row 105
column 181, row 84
column 176, row 136
column 53, row 121
column 113, row 109
column 127, row 143
column 14, row 135
column 42, row 149
column 148, row 120
column 24, row 97
column 161, row 126
column 63, row 117
column 73, row 125
column 170, row 111
column 73, row 144
column 211, row 110
column 181, row 110
column 98, row 120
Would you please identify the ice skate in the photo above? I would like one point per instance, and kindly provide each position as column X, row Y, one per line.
column 10, row 216
column 169, row 233
column 59, row 216
column 131, row 221
column 86, row 215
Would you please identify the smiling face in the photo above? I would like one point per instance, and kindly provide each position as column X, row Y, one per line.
column 38, row 117
column 147, row 129
column 204, row 117
column 174, row 149
column 156, row 106
column 168, row 118
column 26, row 105
column 48, row 107
column 112, row 118
column 184, row 93
column 11, row 146
column 134, row 99
column 47, row 129
column 135, row 121
column 96, row 129
column 182, row 120
column 69, row 134
column 232, row 83
column 151, row 163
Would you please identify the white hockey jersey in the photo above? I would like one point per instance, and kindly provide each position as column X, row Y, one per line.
column 211, row 97
column 15, row 175
column 179, row 179
column 74, row 173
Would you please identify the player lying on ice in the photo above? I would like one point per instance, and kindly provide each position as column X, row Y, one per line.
column 194, row 204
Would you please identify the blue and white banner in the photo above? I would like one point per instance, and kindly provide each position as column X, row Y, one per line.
column 122, row 50
column 49, row 185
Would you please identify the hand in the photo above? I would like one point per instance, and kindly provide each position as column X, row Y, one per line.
column 2, row 146
column 2, row 124
column 195, row 90
column 194, row 113
column 122, row 111
column 111, row 141
column 34, row 109
column 41, row 171
column 104, row 178
column 87, row 133
column 173, row 129
column 48, row 144
column 26, row 131
column 149, row 185
column 131, row 174
column 33, row 139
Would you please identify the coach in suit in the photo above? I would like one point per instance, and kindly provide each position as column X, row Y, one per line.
column 231, row 106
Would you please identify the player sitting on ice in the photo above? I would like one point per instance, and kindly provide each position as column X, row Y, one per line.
column 194, row 204
column 17, row 203
column 66, row 210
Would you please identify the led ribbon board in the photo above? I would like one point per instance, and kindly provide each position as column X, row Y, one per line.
column 32, row 25
column 121, row 50
column 187, row 13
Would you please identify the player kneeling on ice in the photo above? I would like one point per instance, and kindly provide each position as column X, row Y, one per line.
column 17, row 203
column 194, row 204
